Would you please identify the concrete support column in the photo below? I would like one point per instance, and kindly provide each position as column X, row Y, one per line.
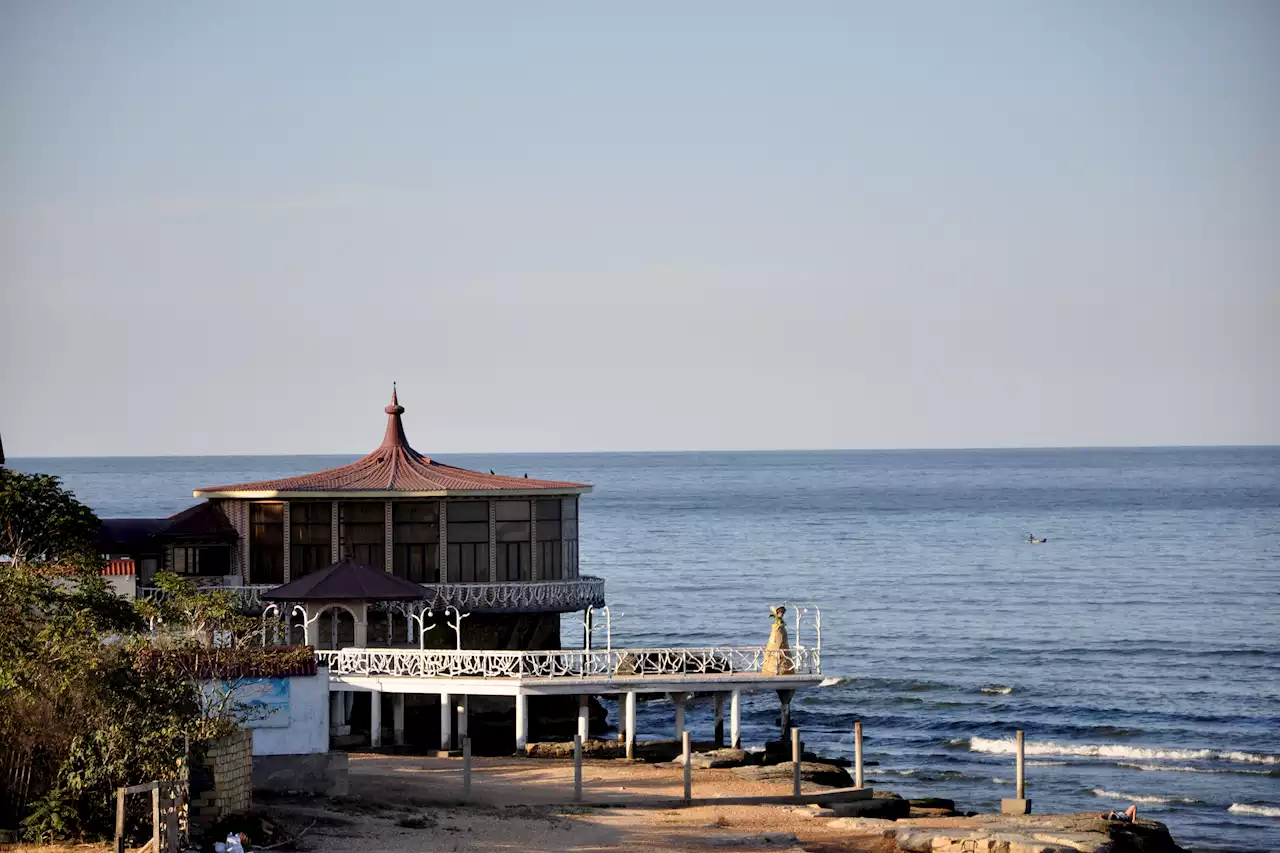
column 446, row 721
column 584, row 716
column 522, row 722
column 631, row 724
column 461, row 707
column 397, row 717
column 348, row 701
column 337, row 708
column 375, row 718
column 678, row 700
column 719, row 731
column 735, row 718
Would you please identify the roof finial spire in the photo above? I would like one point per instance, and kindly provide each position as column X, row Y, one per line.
column 395, row 408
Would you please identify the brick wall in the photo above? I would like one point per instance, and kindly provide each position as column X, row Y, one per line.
column 228, row 766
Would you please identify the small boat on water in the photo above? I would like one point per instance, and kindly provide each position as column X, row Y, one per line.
column 1032, row 540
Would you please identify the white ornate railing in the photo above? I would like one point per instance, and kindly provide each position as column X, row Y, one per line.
column 515, row 596
column 248, row 597
column 571, row 663
column 508, row 597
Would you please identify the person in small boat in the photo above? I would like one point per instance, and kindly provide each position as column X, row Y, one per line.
column 1031, row 539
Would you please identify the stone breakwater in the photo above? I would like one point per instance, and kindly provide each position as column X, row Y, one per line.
column 1062, row 833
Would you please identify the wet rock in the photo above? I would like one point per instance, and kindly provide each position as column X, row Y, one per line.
column 713, row 759
column 887, row 808
column 933, row 803
column 812, row 772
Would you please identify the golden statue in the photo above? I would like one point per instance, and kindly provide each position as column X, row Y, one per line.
column 776, row 659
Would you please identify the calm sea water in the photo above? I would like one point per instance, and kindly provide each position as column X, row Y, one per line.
column 1139, row 647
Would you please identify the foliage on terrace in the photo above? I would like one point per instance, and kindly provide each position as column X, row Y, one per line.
column 97, row 692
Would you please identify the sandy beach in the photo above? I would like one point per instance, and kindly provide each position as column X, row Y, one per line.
column 404, row 803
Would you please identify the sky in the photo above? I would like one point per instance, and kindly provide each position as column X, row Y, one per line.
column 229, row 227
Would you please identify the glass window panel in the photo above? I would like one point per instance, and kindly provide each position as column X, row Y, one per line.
column 549, row 510
column 512, row 531
column 416, row 512
column 468, row 511
column 548, row 531
column 512, row 510
column 468, row 532
column 571, row 508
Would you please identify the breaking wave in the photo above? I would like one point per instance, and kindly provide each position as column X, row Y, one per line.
column 1141, row 798
column 996, row 689
column 1263, row 811
column 1008, row 746
column 832, row 682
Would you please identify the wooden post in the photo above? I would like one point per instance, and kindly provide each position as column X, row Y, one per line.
column 795, row 758
column 1022, row 778
column 857, row 754
column 466, row 767
column 688, row 766
column 155, row 819
column 119, row 820
column 171, row 821
column 577, row 768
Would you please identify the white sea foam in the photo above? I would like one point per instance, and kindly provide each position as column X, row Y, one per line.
column 1000, row 781
column 1185, row 768
column 1140, row 798
column 1262, row 811
column 832, row 682
column 1008, row 746
column 996, row 690
column 1048, row 763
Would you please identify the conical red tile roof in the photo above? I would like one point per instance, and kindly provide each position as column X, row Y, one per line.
column 393, row 467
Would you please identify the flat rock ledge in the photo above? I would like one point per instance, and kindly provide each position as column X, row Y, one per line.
column 1062, row 833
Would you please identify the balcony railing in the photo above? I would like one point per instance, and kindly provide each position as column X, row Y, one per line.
column 517, row 596
column 247, row 597
column 508, row 597
column 572, row 663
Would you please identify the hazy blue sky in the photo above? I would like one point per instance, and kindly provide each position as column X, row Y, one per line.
column 227, row 227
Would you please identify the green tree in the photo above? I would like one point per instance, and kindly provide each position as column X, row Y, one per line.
column 43, row 525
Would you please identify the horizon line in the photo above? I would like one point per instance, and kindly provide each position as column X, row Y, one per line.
column 935, row 449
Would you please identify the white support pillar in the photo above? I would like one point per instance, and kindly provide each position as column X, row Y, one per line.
column 348, row 701
column 461, row 707
column 522, row 722
column 631, row 724
column 678, row 700
column 375, row 718
column 397, row 718
column 718, row 737
column 735, row 718
column 584, row 716
column 446, row 722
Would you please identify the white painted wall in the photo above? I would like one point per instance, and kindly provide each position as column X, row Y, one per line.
column 308, row 728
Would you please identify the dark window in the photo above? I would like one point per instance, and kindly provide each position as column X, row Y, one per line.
column 266, row 543
column 415, row 550
column 550, row 551
column 364, row 529
column 514, row 551
column 468, row 523
column 310, row 532
column 207, row 560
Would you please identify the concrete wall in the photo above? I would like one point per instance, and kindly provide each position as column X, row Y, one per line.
column 322, row 773
column 307, row 730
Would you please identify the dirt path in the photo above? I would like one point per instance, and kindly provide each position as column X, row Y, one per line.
column 400, row 803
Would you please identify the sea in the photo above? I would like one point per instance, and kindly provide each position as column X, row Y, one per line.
column 1138, row 647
